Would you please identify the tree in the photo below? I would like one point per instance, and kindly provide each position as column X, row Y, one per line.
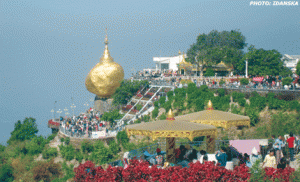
column 287, row 81
column 298, row 68
column 244, row 81
column 209, row 72
column 111, row 116
column 127, row 90
column 6, row 173
column 264, row 62
column 212, row 48
column 23, row 131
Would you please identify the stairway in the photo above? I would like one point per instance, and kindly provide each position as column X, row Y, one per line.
column 129, row 116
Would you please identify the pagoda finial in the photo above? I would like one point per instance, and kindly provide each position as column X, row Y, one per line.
column 179, row 53
column 210, row 105
column 170, row 116
column 106, row 39
column 106, row 55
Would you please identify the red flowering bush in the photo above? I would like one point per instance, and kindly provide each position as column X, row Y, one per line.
column 128, row 106
column 280, row 174
column 150, row 93
column 140, row 172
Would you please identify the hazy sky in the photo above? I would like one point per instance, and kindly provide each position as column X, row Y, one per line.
column 48, row 47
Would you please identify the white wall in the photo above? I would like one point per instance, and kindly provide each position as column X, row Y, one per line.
column 173, row 61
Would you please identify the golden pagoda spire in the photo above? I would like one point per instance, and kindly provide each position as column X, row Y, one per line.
column 170, row 116
column 209, row 105
column 106, row 55
column 179, row 53
column 183, row 59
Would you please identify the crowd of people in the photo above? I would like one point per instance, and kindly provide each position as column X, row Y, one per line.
column 84, row 124
column 172, row 78
column 276, row 157
column 185, row 154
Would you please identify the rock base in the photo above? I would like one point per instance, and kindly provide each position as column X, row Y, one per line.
column 103, row 105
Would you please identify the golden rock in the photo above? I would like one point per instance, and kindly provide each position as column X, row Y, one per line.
column 105, row 77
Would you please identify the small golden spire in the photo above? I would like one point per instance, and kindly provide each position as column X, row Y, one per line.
column 183, row 59
column 209, row 105
column 106, row 55
column 170, row 116
column 179, row 52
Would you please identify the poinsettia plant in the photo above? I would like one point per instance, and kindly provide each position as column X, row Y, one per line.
column 139, row 171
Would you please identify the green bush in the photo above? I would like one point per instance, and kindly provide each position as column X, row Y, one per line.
column 258, row 103
column 51, row 137
column 209, row 72
column 87, row 146
column 114, row 147
column 36, row 145
column 130, row 146
column 237, row 95
column 139, row 107
column 6, row 173
column 287, row 81
column 163, row 117
column 254, row 94
column 242, row 102
column 78, row 156
column 2, row 148
column 101, row 154
column 168, row 105
column 222, row 82
column 253, row 115
column 155, row 113
column 49, row 152
column 294, row 105
column 62, row 140
column 23, row 131
column 67, row 152
column 244, row 81
column 221, row 92
column 170, row 95
column 199, row 104
column 122, row 138
column 146, row 118
column 156, row 104
column 68, row 171
column 162, row 100
column 67, row 141
column 204, row 88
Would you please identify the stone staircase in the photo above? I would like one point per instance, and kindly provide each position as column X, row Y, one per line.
column 145, row 98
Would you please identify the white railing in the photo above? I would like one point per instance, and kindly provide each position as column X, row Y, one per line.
column 121, row 121
column 150, row 100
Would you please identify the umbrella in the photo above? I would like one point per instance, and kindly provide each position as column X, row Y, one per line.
column 171, row 129
column 217, row 118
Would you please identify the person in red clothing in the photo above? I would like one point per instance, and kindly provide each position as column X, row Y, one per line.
column 290, row 141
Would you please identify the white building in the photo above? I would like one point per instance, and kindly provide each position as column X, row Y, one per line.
column 290, row 61
column 167, row 63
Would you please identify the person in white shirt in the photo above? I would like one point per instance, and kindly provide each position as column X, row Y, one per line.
column 254, row 156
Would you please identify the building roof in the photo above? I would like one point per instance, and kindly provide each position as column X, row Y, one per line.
column 292, row 56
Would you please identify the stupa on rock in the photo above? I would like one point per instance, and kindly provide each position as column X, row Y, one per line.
column 104, row 79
